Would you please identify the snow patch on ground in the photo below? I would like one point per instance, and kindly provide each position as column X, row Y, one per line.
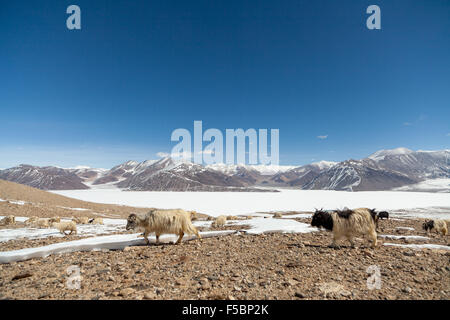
column 395, row 237
column 75, row 209
column 419, row 246
column 262, row 225
column 405, row 228
column 114, row 242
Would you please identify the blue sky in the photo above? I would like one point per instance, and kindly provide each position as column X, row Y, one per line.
column 116, row 89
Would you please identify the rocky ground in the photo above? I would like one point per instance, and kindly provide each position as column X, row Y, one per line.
column 267, row 266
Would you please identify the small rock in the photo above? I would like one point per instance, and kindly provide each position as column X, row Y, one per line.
column 103, row 271
column 299, row 294
column 407, row 290
column 126, row 292
column 345, row 293
column 21, row 276
column 149, row 296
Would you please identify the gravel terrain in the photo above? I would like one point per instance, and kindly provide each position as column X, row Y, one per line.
column 265, row 266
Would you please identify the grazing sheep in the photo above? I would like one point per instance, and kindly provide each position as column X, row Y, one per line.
column 96, row 221
column 8, row 220
column 439, row 225
column 161, row 222
column 347, row 223
column 42, row 223
column 220, row 221
column 54, row 219
column 383, row 215
column 81, row 220
column 277, row 215
column 31, row 220
column 65, row 226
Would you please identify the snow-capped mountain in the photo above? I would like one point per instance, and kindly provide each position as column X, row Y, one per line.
column 168, row 174
column 358, row 175
column 300, row 176
column 381, row 154
column 383, row 170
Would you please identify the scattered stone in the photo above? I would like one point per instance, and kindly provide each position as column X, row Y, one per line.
column 21, row 276
column 126, row 292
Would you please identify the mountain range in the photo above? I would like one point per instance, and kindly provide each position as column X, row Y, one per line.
column 383, row 170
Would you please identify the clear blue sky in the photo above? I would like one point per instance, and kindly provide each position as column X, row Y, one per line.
column 137, row 70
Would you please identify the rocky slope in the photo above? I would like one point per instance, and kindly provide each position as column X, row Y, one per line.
column 46, row 178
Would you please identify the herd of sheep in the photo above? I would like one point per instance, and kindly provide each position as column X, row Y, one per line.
column 342, row 223
column 55, row 222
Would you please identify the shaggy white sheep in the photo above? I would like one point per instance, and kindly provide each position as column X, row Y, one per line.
column 42, row 223
column 81, row 220
column 65, row 226
column 162, row 222
column 8, row 220
column 96, row 221
column 220, row 221
column 54, row 219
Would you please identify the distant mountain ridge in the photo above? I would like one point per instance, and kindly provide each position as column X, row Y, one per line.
column 382, row 170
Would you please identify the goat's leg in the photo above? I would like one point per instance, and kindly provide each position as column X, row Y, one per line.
column 146, row 237
column 180, row 237
column 198, row 235
column 349, row 238
column 373, row 235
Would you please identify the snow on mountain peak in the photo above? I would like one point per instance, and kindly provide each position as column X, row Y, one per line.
column 381, row 154
column 324, row 164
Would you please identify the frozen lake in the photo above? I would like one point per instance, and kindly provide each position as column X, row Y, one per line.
column 236, row 203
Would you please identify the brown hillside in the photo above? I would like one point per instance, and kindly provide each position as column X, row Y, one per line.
column 46, row 204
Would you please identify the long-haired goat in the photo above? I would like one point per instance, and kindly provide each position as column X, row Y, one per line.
column 439, row 225
column 31, row 220
column 347, row 223
column 383, row 215
column 81, row 220
column 162, row 222
column 54, row 219
column 65, row 226
column 7, row 220
column 42, row 223
column 96, row 221
column 220, row 221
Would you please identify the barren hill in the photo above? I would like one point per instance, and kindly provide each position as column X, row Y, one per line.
column 22, row 200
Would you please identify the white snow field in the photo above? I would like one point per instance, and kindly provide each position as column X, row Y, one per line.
column 239, row 203
column 114, row 242
column 434, row 185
